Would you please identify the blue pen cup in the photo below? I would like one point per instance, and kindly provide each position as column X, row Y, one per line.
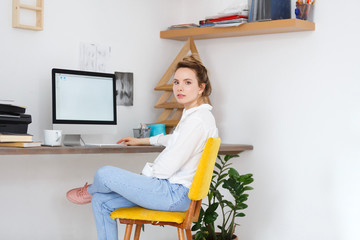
column 156, row 129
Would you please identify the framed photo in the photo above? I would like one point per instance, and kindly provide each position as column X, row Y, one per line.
column 124, row 88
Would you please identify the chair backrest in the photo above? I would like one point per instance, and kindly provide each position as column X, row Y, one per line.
column 202, row 179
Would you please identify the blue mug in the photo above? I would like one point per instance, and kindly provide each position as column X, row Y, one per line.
column 156, row 129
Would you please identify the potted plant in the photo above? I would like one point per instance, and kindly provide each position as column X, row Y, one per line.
column 237, row 185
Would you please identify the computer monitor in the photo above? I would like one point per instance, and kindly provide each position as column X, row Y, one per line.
column 83, row 103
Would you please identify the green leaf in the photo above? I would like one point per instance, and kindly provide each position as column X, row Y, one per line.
column 227, row 164
column 230, row 184
column 240, row 215
column 210, row 217
column 225, row 169
column 248, row 181
column 211, row 195
column 230, row 156
column 210, row 214
column 219, row 183
column 222, row 176
column 233, row 173
column 247, row 188
column 222, row 161
column 212, row 207
column 242, row 206
column 196, row 226
column 243, row 197
column 227, row 157
column 230, row 204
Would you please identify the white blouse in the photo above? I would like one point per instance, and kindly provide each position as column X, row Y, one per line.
column 179, row 160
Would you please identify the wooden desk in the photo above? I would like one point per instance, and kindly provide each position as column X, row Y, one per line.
column 224, row 149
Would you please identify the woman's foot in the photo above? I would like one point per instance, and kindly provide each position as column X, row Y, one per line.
column 79, row 195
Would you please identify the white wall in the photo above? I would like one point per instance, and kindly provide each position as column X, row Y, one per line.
column 294, row 96
column 130, row 28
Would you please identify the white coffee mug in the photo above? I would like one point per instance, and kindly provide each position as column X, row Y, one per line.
column 52, row 137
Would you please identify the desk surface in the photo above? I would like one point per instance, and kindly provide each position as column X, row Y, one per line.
column 224, row 149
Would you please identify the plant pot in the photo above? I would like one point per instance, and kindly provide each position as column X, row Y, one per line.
column 234, row 237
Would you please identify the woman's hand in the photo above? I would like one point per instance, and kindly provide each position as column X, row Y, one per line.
column 131, row 141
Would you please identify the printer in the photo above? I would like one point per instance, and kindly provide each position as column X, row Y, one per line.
column 13, row 119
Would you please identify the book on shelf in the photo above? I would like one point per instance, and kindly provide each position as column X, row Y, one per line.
column 225, row 23
column 245, row 12
column 224, row 18
column 230, row 20
column 207, row 25
column 20, row 144
column 230, row 23
column 227, row 18
column 11, row 137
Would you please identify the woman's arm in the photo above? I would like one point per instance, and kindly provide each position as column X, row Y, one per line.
column 131, row 141
column 160, row 140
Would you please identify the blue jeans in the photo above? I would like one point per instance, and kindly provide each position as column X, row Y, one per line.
column 115, row 188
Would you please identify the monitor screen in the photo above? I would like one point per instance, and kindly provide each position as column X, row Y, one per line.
column 83, row 103
column 81, row 97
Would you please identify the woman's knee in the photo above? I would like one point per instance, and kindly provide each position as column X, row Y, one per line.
column 104, row 172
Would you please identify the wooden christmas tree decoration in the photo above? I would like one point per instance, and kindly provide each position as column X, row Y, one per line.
column 172, row 109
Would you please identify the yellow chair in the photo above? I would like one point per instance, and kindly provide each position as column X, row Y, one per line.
column 182, row 220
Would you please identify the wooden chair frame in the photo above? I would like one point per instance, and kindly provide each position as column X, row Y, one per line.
column 192, row 215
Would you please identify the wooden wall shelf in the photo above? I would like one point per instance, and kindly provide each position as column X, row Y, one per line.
column 246, row 29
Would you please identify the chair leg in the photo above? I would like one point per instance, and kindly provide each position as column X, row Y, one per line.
column 137, row 232
column 181, row 234
column 128, row 231
column 188, row 234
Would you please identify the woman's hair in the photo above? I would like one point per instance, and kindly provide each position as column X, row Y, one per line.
column 193, row 62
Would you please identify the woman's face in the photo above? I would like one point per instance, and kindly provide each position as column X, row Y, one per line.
column 186, row 88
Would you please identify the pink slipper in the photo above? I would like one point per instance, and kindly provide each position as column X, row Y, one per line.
column 79, row 195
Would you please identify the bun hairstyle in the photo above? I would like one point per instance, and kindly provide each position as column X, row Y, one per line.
column 193, row 62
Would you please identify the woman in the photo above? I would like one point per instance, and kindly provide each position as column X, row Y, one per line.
column 163, row 184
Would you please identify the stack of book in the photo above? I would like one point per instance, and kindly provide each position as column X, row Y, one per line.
column 225, row 20
column 17, row 140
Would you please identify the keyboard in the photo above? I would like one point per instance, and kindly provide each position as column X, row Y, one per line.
column 104, row 145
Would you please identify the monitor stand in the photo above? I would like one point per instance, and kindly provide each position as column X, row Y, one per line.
column 72, row 140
